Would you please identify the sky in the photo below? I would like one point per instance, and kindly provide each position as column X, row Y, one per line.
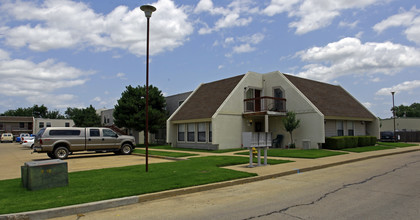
column 63, row 53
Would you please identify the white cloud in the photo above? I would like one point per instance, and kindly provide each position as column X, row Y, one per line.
column 367, row 104
column 409, row 19
column 231, row 16
column 243, row 48
column 245, row 43
column 121, row 75
column 349, row 56
column 64, row 24
column 313, row 14
column 348, row 25
column 407, row 86
column 26, row 78
column 280, row 6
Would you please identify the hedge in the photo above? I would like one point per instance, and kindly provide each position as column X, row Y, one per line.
column 337, row 143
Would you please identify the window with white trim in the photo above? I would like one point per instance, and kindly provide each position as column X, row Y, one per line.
column 201, row 132
column 191, row 132
column 181, row 132
column 340, row 130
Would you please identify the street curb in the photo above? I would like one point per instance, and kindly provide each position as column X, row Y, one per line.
column 112, row 203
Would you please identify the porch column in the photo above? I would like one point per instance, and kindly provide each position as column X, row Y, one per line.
column 266, row 123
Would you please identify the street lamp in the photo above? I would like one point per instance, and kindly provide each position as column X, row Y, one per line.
column 148, row 9
column 393, row 113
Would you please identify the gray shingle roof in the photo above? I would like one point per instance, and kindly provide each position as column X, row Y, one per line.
column 207, row 99
column 331, row 100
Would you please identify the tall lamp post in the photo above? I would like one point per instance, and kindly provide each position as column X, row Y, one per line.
column 393, row 114
column 148, row 9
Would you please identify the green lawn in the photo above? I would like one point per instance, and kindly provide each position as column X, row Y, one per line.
column 366, row 149
column 396, row 144
column 297, row 153
column 164, row 153
column 168, row 147
column 96, row 185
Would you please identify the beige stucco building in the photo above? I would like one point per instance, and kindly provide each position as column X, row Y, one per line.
column 216, row 114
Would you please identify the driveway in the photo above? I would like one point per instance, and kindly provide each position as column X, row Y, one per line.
column 13, row 156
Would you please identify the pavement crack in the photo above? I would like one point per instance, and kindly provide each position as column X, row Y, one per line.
column 282, row 211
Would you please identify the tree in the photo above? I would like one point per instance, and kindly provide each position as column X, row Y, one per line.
column 411, row 111
column 291, row 123
column 35, row 111
column 130, row 111
column 84, row 117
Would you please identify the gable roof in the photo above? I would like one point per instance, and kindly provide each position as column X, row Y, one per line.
column 205, row 101
column 331, row 100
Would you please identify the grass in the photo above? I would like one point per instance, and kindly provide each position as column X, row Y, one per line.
column 368, row 148
column 396, row 144
column 168, row 147
column 164, row 153
column 102, row 184
column 296, row 153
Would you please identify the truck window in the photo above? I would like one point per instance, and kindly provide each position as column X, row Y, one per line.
column 109, row 133
column 64, row 132
column 94, row 133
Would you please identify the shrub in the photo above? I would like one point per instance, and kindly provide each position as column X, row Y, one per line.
column 337, row 143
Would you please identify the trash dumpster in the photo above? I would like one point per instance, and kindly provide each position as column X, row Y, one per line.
column 45, row 174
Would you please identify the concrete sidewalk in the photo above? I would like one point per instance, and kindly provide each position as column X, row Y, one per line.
column 264, row 172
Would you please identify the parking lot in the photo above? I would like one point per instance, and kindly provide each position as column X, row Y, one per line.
column 13, row 156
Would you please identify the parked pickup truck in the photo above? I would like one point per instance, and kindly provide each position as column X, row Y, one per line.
column 59, row 142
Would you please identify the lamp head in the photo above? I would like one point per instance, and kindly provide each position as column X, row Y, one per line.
column 148, row 9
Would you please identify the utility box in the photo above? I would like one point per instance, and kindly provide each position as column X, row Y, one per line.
column 45, row 174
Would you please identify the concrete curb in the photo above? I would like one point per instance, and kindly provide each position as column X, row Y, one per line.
column 112, row 203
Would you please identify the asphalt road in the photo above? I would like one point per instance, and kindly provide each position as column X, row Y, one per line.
column 381, row 188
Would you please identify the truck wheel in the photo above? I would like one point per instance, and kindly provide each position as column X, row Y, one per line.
column 61, row 153
column 51, row 155
column 126, row 149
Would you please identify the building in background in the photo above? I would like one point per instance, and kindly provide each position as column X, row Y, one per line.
column 46, row 122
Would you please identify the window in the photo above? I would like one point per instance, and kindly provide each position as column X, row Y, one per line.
column 67, row 124
column 41, row 124
column 94, row 133
column 340, row 131
column 350, row 128
column 201, row 132
column 21, row 125
column 48, row 124
column 210, row 138
column 191, row 132
column 64, row 132
column 109, row 133
column 1, row 126
column 181, row 132
column 278, row 104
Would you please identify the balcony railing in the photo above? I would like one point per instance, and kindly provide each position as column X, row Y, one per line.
column 265, row 104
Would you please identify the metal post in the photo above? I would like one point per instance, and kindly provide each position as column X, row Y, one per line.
column 148, row 9
column 147, row 99
column 393, row 115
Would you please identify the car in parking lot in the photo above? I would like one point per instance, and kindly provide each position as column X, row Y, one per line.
column 28, row 142
column 59, row 142
column 6, row 137
column 21, row 137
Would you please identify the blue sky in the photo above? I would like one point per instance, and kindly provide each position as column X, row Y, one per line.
column 64, row 53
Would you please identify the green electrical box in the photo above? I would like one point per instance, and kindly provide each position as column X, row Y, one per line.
column 45, row 174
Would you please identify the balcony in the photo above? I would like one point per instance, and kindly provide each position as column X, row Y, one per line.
column 265, row 105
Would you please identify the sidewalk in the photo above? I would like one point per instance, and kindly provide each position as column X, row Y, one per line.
column 264, row 172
